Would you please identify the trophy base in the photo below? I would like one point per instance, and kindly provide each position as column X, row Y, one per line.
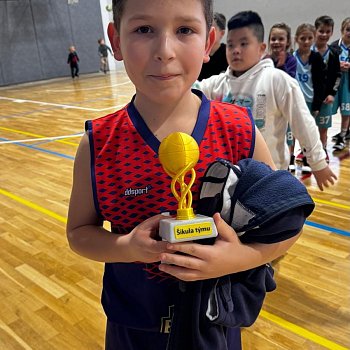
column 200, row 227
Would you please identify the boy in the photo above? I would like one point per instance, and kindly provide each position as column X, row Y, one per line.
column 324, row 30
column 73, row 60
column 163, row 46
column 218, row 62
column 103, row 53
column 275, row 97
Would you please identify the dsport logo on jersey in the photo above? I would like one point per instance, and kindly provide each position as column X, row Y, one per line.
column 137, row 191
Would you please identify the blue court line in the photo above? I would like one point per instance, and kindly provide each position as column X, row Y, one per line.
column 309, row 223
column 41, row 149
column 328, row 228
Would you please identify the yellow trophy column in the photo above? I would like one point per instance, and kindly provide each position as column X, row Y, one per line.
column 178, row 154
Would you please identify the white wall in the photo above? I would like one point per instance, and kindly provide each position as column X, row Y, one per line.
column 292, row 12
column 107, row 16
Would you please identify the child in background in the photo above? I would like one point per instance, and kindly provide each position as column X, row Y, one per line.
column 342, row 98
column 73, row 60
column 274, row 97
column 280, row 39
column 163, row 46
column 311, row 76
column 103, row 53
column 324, row 30
column 218, row 62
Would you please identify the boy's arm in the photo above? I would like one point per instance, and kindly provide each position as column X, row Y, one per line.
column 318, row 73
column 293, row 107
column 211, row 87
column 85, row 233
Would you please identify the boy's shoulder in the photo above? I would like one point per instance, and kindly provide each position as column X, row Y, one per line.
column 112, row 117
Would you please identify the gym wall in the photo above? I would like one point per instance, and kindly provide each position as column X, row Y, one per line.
column 35, row 36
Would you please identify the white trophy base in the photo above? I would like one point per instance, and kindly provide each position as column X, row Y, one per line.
column 174, row 230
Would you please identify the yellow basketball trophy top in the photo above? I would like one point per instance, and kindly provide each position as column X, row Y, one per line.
column 179, row 154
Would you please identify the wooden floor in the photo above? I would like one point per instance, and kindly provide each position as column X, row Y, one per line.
column 50, row 297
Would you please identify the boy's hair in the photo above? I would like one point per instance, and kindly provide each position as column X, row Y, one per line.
column 345, row 23
column 324, row 20
column 284, row 27
column 118, row 8
column 248, row 19
column 220, row 20
column 305, row 27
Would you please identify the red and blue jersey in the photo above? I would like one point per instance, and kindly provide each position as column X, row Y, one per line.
column 130, row 185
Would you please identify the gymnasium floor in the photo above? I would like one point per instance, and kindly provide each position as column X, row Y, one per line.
column 50, row 297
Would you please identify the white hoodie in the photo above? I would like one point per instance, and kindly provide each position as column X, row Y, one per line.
column 275, row 100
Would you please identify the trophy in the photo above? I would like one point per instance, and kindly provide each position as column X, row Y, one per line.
column 178, row 154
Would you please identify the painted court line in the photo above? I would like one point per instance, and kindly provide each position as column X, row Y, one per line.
column 45, row 139
column 92, row 88
column 62, row 155
column 302, row 332
column 17, row 100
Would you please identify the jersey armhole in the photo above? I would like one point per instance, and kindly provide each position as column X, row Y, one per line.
column 88, row 128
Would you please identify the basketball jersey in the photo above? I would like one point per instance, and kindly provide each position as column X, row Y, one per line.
column 130, row 185
column 304, row 78
column 345, row 53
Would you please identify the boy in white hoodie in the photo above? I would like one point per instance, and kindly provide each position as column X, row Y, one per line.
column 273, row 96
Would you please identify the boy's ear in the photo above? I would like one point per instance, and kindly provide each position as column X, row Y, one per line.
column 115, row 41
column 263, row 48
column 209, row 44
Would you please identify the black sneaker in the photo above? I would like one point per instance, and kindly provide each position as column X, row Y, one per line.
column 339, row 144
column 347, row 136
column 306, row 169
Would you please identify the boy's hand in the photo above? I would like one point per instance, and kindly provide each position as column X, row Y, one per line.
column 329, row 99
column 324, row 177
column 315, row 113
column 143, row 241
column 344, row 66
column 205, row 261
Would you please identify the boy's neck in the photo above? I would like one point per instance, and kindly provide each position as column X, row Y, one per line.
column 165, row 118
column 321, row 47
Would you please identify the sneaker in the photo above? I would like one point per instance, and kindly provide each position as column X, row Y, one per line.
column 347, row 136
column 306, row 169
column 327, row 157
column 300, row 157
column 291, row 166
column 339, row 144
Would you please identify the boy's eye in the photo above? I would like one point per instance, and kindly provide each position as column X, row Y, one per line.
column 143, row 30
column 185, row 31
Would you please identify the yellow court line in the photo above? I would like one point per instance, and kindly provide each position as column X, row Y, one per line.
column 39, row 136
column 33, row 206
column 304, row 333
column 338, row 205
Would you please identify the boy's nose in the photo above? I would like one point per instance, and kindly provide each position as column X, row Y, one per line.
column 164, row 50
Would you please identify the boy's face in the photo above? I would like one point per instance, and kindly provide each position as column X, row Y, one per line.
column 163, row 45
column 243, row 50
column 323, row 34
